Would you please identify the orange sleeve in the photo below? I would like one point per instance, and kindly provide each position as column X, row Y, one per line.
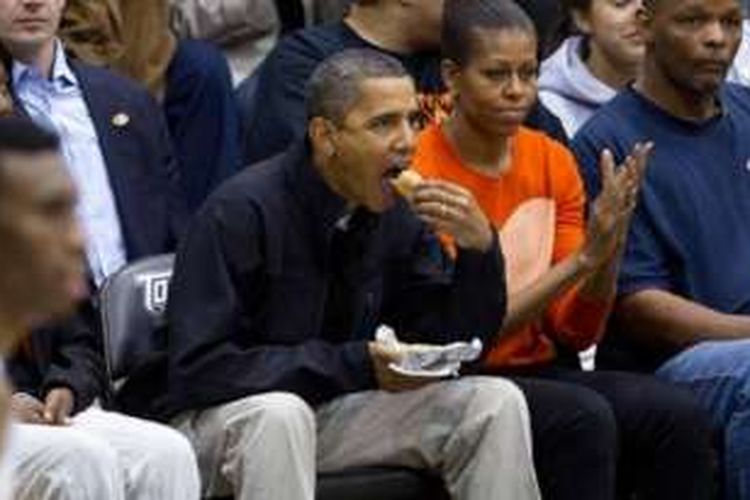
column 575, row 321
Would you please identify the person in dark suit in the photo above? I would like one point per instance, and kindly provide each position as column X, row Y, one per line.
column 114, row 142
column 116, row 150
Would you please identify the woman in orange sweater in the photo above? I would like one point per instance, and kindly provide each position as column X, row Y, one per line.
column 561, row 272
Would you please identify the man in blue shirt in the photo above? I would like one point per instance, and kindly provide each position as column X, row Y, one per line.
column 684, row 287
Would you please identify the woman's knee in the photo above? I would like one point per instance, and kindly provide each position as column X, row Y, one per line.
column 564, row 413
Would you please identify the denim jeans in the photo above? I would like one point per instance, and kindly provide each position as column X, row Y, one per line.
column 719, row 375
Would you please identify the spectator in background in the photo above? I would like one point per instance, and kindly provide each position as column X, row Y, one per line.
column 591, row 67
column 245, row 30
column 587, row 70
column 189, row 77
column 683, row 293
column 113, row 138
column 409, row 30
column 282, row 282
column 561, row 274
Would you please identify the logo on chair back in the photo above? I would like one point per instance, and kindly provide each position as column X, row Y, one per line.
column 155, row 291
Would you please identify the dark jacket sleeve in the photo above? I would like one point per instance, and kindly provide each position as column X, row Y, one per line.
column 173, row 187
column 216, row 351
column 77, row 361
column 65, row 354
column 436, row 299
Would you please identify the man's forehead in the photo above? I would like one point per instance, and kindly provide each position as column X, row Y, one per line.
column 34, row 175
column 385, row 95
column 703, row 5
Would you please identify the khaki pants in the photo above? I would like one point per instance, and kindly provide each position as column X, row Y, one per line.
column 473, row 431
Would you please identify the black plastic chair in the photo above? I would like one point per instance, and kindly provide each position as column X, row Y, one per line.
column 132, row 305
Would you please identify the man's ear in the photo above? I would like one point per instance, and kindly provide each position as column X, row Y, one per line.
column 322, row 134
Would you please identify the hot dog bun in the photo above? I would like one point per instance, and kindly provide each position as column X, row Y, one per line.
column 406, row 181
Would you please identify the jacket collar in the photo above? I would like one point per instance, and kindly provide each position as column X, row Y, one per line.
column 324, row 209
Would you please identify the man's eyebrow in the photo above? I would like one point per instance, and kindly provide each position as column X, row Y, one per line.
column 389, row 115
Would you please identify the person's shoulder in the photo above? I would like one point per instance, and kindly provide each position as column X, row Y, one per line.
column 254, row 182
column 737, row 98
column 430, row 138
column 616, row 125
column 528, row 139
column 200, row 56
column 117, row 83
column 433, row 153
column 549, row 156
column 609, row 118
column 312, row 44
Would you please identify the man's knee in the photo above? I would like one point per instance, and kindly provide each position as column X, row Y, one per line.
column 276, row 411
column 497, row 396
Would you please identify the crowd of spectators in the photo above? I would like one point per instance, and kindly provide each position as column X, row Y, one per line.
column 583, row 185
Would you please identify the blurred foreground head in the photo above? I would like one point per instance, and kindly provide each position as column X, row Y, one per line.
column 41, row 255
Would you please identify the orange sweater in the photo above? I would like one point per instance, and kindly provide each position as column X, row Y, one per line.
column 537, row 205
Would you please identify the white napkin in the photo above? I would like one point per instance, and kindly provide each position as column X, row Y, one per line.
column 427, row 360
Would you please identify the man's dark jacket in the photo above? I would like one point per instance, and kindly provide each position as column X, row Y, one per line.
column 67, row 354
column 278, row 288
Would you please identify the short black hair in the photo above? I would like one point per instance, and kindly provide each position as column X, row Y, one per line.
column 333, row 87
column 577, row 5
column 462, row 17
column 19, row 135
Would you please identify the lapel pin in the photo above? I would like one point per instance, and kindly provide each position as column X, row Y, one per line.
column 120, row 120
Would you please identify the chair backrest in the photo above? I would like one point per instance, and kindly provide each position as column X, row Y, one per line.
column 132, row 304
